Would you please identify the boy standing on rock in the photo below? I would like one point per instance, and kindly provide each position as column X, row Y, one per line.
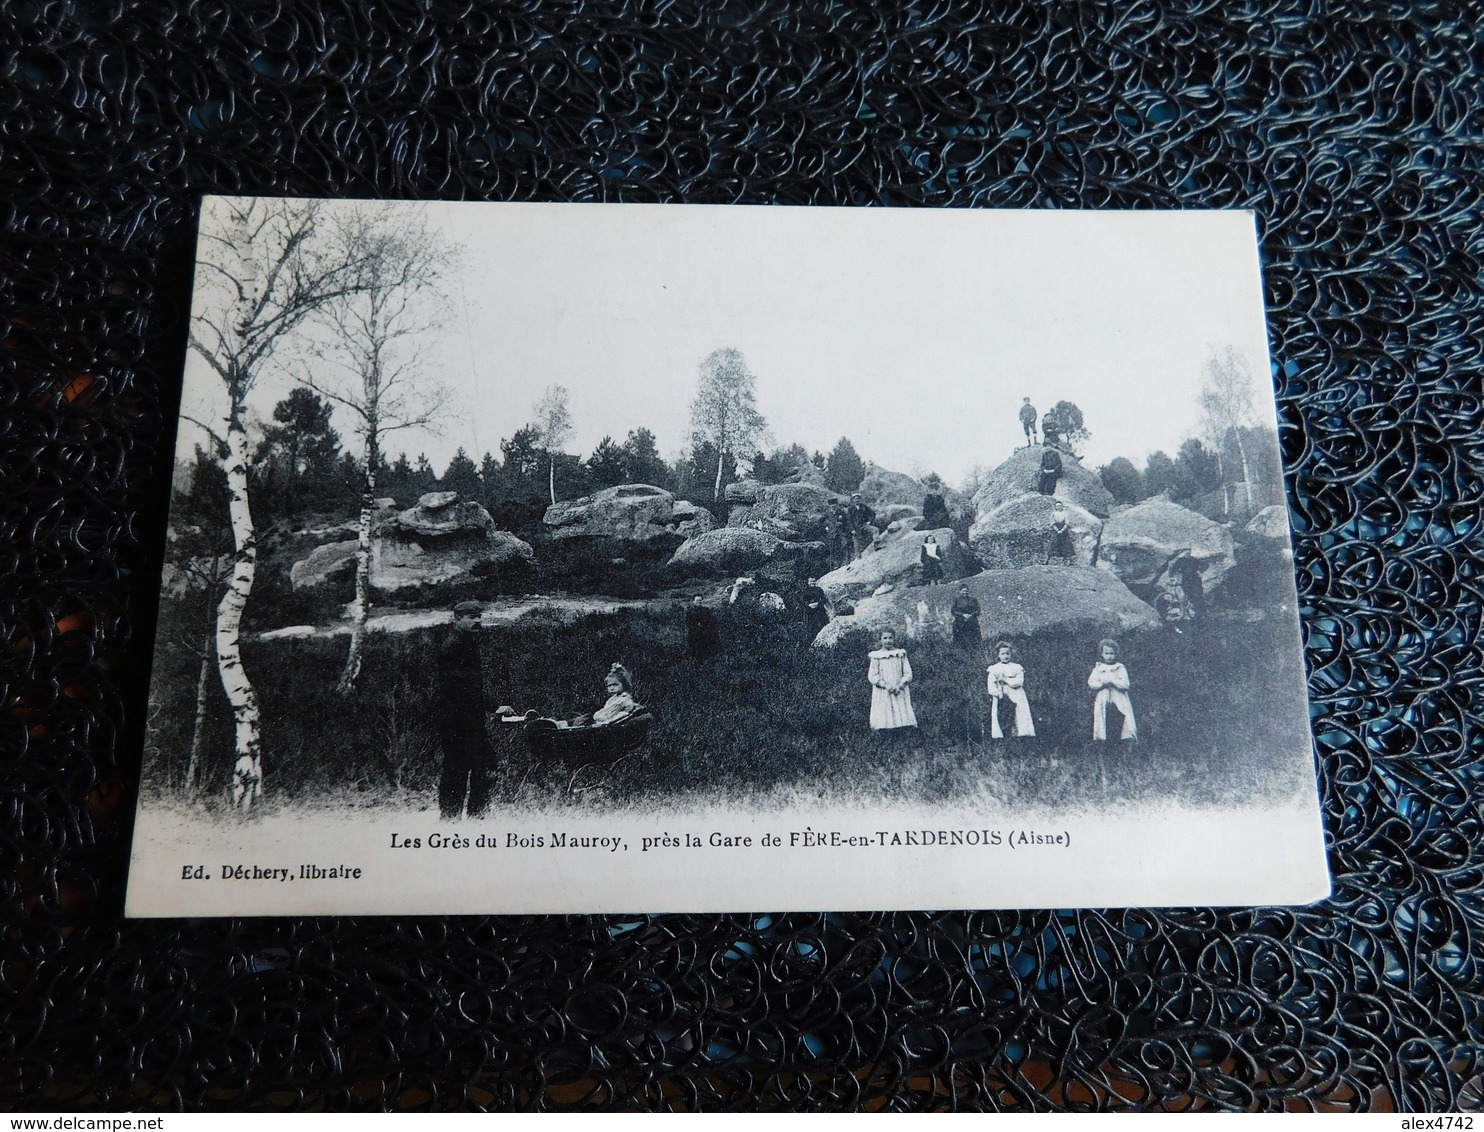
column 1028, row 420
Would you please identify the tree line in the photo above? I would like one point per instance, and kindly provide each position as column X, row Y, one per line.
column 301, row 467
column 1233, row 467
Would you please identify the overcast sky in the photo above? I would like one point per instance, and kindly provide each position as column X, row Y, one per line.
column 914, row 332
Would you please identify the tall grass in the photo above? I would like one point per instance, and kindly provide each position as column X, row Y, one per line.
column 1220, row 709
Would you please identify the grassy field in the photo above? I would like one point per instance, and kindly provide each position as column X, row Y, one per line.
column 1220, row 710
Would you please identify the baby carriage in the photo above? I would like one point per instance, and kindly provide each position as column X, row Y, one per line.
column 589, row 754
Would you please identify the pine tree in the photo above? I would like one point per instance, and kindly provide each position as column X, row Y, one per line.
column 461, row 476
column 489, row 480
column 297, row 460
column 643, row 461
column 607, row 463
column 1124, row 482
column 845, row 469
column 424, row 479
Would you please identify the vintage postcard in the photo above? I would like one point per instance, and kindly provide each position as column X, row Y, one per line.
column 627, row 558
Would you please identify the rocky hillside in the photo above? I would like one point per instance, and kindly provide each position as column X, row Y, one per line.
column 638, row 542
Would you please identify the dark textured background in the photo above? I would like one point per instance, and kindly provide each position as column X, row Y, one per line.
column 1356, row 138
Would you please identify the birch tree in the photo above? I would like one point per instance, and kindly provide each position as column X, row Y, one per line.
column 554, row 424
column 199, row 553
column 724, row 412
column 1227, row 407
column 369, row 363
column 261, row 270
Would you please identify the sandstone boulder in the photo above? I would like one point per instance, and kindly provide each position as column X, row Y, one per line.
column 742, row 491
column 1140, row 543
column 440, row 540
column 1019, row 533
column 1020, row 474
column 883, row 487
column 792, row 511
column 728, row 550
column 437, row 500
column 808, row 474
column 690, row 519
column 436, row 513
column 332, row 562
column 1014, row 603
column 898, row 513
column 632, row 512
column 893, row 562
column 1270, row 522
column 773, row 527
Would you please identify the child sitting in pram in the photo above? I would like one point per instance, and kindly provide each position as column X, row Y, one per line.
column 619, row 706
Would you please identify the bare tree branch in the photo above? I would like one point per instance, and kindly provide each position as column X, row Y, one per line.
column 387, row 298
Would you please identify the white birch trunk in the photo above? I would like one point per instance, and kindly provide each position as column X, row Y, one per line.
column 361, row 605
column 1226, row 494
column 721, row 456
column 247, row 775
column 551, row 466
column 1246, row 468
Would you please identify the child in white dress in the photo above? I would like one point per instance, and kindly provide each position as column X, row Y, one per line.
column 1109, row 680
column 891, row 696
column 1007, row 682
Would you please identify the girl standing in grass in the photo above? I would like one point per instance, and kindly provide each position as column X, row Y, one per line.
column 1007, row 682
column 1109, row 680
column 890, row 676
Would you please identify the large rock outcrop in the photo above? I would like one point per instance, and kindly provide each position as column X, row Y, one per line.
column 1270, row 522
column 882, row 487
column 1017, row 604
column 729, row 551
column 630, row 512
column 807, row 473
column 1140, row 543
column 1021, row 473
column 792, row 511
column 318, row 555
column 742, row 491
column 1019, row 533
column 895, row 495
column 899, row 513
column 440, row 540
column 894, row 562
column 333, row 562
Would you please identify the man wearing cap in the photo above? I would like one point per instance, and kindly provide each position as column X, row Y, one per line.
column 464, row 786
column 1028, row 420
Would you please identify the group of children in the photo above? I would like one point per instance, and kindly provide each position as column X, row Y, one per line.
column 891, row 693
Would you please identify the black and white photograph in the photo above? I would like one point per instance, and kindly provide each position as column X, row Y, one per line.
column 607, row 558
